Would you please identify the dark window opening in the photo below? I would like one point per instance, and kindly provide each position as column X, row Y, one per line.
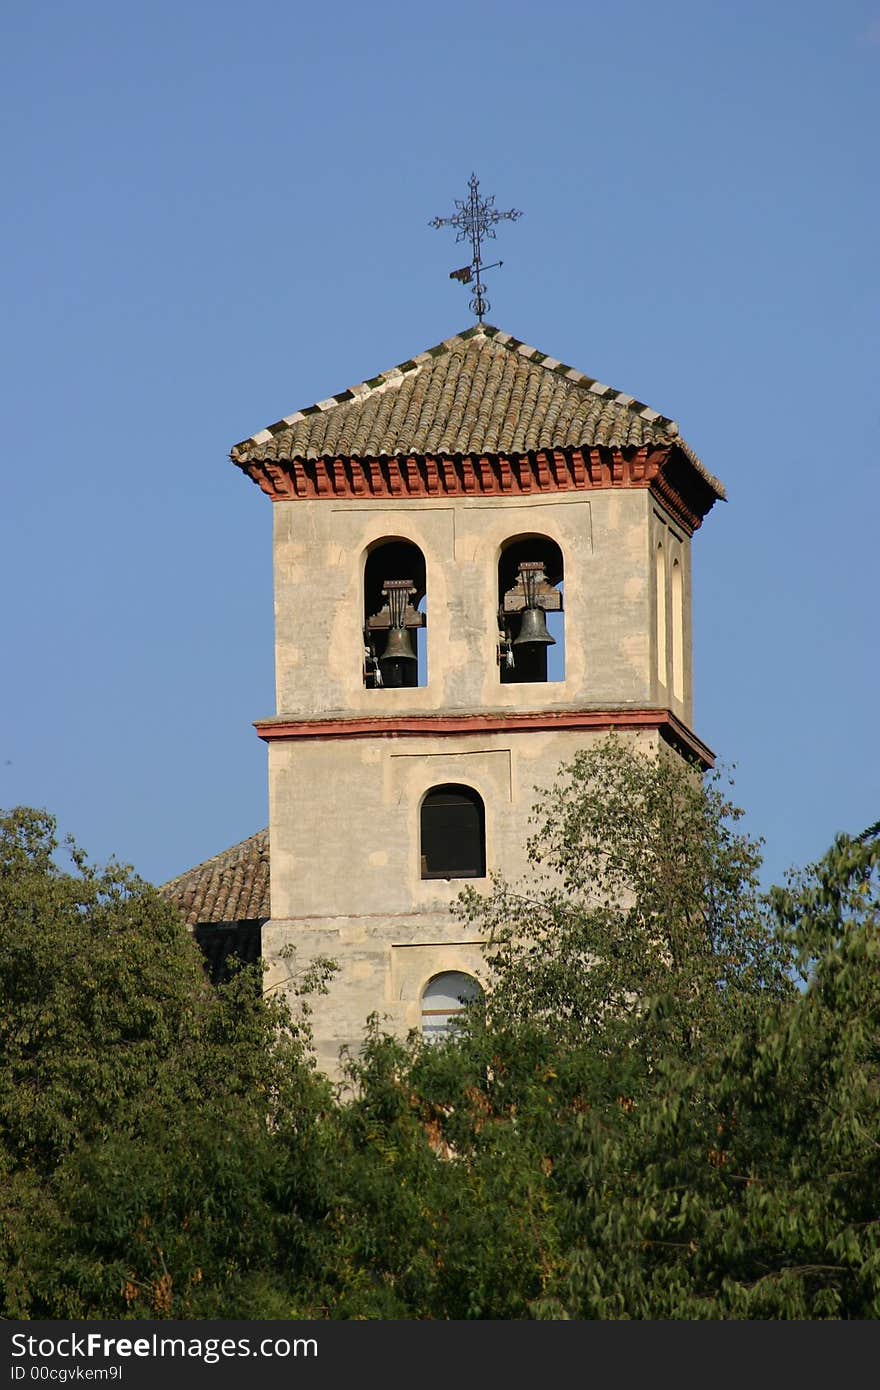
column 394, row 616
column 531, row 627
column 453, row 834
column 227, row 946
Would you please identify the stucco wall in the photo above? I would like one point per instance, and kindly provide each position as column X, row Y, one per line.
column 606, row 542
column 346, row 879
column 344, row 812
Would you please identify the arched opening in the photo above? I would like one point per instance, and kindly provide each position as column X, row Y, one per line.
column 395, row 604
column 662, row 654
column 444, row 1000
column 531, row 621
column 452, row 833
column 422, row 643
column 677, row 632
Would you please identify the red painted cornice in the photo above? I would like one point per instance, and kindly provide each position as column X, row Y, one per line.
column 668, row 725
column 665, row 470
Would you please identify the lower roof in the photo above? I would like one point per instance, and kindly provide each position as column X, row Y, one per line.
column 230, row 887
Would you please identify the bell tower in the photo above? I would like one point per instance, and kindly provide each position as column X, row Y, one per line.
column 482, row 563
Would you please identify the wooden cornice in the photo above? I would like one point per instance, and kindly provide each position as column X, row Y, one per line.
column 667, row 724
column 665, row 470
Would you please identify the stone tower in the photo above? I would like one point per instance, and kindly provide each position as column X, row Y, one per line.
column 482, row 563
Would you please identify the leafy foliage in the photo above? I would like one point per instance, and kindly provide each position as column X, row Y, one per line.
column 705, row 1148
column 136, row 1102
column 643, row 905
column 646, row 1118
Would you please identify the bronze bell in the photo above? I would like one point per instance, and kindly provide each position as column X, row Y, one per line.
column 399, row 646
column 533, row 629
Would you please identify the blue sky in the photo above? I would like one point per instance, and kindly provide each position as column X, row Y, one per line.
column 217, row 213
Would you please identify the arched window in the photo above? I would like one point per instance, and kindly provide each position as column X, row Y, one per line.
column 530, row 618
column 444, row 1000
column 394, row 613
column 662, row 655
column 453, row 833
column 677, row 632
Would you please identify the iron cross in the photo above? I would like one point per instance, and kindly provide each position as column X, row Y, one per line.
column 475, row 217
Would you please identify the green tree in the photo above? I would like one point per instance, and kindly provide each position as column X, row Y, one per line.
column 705, row 1148
column 439, row 1210
column 642, row 904
column 760, row 1201
column 136, row 1102
column 645, row 1120
column 495, row 1161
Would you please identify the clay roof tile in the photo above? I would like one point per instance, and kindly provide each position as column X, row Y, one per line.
column 482, row 391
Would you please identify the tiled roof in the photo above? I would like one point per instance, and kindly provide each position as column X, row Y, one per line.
column 481, row 392
column 231, row 887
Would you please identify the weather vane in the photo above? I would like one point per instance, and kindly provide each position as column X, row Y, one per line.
column 475, row 217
